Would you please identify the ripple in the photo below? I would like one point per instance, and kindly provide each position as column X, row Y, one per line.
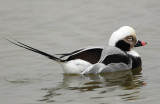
column 101, row 84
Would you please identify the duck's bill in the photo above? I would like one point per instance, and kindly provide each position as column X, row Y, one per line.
column 140, row 43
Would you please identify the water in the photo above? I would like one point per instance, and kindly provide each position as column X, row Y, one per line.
column 57, row 26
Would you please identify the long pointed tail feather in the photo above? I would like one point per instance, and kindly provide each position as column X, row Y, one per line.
column 33, row 49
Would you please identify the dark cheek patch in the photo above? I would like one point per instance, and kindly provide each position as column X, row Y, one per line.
column 123, row 45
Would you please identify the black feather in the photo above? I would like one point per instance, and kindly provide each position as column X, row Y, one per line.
column 116, row 58
column 90, row 55
column 34, row 50
column 123, row 45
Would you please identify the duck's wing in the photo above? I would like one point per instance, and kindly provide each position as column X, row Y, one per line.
column 89, row 54
column 112, row 59
column 100, row 68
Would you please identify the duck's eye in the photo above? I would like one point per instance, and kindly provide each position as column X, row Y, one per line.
column 130, row 38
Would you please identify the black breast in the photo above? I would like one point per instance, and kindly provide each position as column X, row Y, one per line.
column 136, row 62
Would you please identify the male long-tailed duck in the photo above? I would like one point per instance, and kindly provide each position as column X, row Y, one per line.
column 118, row 56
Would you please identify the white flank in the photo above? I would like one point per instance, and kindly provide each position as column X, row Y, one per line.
column 76, row 66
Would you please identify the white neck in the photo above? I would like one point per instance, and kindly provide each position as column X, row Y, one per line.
column 133, row 53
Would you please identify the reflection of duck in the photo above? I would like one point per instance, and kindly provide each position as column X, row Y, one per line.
column 107, row 79
column 100, row 84
column 116, row 57
column 91, row 82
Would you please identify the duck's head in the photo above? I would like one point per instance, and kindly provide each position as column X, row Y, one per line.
column 125, row 39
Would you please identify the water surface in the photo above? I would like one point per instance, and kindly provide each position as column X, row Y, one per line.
column 58, row 26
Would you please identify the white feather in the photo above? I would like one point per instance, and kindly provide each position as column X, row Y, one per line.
column 120, row 34
column 76, row 66
column 133, row 53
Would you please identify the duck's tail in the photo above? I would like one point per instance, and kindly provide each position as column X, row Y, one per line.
column 34, row 50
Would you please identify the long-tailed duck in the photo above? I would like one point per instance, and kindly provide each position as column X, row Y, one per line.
column 119, row 55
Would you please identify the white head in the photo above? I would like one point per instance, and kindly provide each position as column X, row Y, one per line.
column 124, row 38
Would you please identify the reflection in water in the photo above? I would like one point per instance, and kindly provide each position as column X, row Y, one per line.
column 108, row 82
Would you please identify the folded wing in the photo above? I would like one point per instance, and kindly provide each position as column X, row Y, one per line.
column 91, row 54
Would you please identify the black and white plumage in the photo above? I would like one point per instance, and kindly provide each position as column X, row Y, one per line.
column 119, row 55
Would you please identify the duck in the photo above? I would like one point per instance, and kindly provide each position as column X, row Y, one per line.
column 117, row 56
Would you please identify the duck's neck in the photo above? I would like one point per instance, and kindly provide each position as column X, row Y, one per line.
column 123, row 45
column 133, row 53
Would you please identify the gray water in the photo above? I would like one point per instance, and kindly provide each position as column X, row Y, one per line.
column 58, row 26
